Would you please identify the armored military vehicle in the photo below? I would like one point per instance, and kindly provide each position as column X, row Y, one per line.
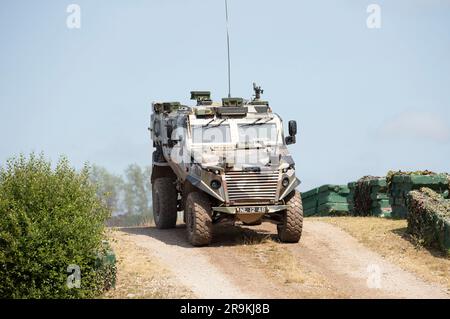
column 223, row 162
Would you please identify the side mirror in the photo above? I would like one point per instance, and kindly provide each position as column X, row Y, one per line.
column 289, row 140
column 292, row 128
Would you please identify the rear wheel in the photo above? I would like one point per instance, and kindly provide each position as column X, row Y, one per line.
column 290, row 229
column 198, row 219
column 164, row 195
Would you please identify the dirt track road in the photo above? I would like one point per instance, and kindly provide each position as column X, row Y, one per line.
column 328, row 263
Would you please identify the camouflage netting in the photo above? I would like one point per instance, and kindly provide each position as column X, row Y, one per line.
column 429, row 218
column 448, row 181
column 351, row 197
column 362, row 196
column 106, row 265
column 401, row 183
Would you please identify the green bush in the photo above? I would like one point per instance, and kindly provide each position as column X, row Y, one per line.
column 49, row 219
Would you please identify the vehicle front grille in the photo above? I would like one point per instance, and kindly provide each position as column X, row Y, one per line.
column 251, row 187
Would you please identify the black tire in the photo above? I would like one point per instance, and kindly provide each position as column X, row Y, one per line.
column 158, row 156
column 198, row 219
column 165, row 196
column 290, row 229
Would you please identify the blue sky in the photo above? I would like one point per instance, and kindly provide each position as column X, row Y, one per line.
column 366, row 100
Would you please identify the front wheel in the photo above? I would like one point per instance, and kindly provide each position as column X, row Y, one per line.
column 290, row 228
column 198, row 219
column 164, row 196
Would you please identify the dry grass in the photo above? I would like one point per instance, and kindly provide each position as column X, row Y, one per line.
column 388, row 237
column 271, row 256
column 139, row 275
column 277, row 260
column 282, row 267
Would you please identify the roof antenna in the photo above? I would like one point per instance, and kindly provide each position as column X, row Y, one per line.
column 228, row 49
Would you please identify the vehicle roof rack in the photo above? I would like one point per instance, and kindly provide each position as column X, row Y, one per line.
column 168, row 107
column 233, row 101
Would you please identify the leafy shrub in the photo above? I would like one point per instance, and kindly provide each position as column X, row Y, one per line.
column 49, row 219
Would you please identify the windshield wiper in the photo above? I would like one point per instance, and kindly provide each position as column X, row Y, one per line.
column 216, row 125
column 207, row 124
column 256, row 122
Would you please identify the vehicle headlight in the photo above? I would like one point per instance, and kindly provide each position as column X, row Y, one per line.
column 215, row 184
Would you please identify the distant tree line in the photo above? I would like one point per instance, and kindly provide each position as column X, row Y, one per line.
column 128, row 196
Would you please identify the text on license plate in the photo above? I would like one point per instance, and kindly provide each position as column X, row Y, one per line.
column 250, row 210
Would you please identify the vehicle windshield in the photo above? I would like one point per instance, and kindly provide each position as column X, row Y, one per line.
column 265, row 133
column 219, row 134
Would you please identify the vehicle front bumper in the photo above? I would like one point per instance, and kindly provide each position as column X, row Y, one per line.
column 233, row 209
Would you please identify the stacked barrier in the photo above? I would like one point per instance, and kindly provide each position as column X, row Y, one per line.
column 401, row 183
column 380, row 198
column 327, row 200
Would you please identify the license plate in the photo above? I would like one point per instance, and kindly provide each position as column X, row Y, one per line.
column 251, row 210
